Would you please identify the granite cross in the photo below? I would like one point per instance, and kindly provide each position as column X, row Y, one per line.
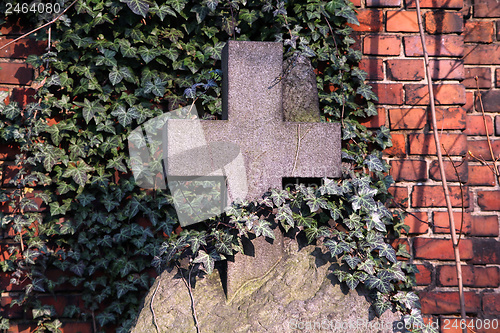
column 271, row 148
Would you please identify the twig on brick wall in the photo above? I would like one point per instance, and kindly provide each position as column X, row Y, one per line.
column 41, row 27
column 188, row 286
column 495, row 160
column 441, row 167
column 461, row 195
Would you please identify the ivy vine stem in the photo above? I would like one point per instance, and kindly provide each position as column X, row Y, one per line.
column 446, row 190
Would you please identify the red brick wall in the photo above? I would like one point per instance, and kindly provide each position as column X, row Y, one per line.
column 463, row 41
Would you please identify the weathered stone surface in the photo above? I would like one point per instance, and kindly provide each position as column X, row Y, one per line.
column 299, row 289
column 300, row 91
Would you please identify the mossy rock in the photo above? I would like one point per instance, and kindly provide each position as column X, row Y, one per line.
column 297, row 293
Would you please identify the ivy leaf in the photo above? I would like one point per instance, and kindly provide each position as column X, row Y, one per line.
column 124, row 118
column 351, row 280
column 349, row 14
column 381, row 304
column 368, row 266
column 374, row 163
column 337, row 248
column 90, row 109
column 366, row 91
column 383, row 285
column 138, row 7
column 197, row 240
column 351, row 261
column 157, row 87
column 285, row 215
column 263, row 227
column 279, row 197
column 208, row 260
column 148, row 54
column 388, row 252
column 79, row 172
column 330, row 187
column 212, row 4
column 116, row 75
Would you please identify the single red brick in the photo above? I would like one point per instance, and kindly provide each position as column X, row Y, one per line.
column 442, row 222
column 375, row 121
column 497, row 74
column 489, row 200
column 441, row 22
column 7, row 311
column 475, row 124
column 373, row 67
column 424, row 275
column 480, row 149
column 383, row 3
column 22, row 48
column 15, row 73
column 423, row 144
column 447, row 69
column 449, row 118
column 401, row 21
column 487, row 8
column 405, row 69
column 357, row 42
column 398, row 145
column 436, row 4
column 486, row 251
column 418, row 94
column 400, row 195
column 483, row 77
column 433, row 196
column 356, row 3
column 498, row 30
column 491, row 304
column 413, row 118
column 382, row 45
column 414, row 221
column 497, row 125
column 437, row 45
column 8, row 152
column 370, row 20
column 484, row 225
column 482, row 54
column 408, row 170
column 23, row 96
column 441, row 249
column 478, row 31
column 73, row 327
column 388, row 93
column 490, row 99
column 473, row 276
column 481, row 175
column 469, row 101
column 15, row 26
column 450, row 170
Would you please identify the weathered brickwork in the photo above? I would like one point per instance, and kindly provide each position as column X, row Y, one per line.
column 463, row 41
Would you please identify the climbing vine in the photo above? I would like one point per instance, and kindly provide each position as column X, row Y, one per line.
column 113, row 65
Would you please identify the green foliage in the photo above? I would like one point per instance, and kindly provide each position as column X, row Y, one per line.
column 114, row 65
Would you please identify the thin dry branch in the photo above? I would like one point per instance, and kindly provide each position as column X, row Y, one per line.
column 441, row 167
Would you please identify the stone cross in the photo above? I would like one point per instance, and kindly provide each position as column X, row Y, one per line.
column 271, row 148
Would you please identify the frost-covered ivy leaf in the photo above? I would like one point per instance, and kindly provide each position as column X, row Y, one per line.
column 353, row 222
column 363, row 201
column 126, row 49
column 263, row 227
column 371, row 110
column 78, row 172
column 138, row 7
column 316, row 203
column 162, row 11
column 212, row 4
column 107, row 317
column 352, row 261
column 90, row 108
column 374, row 163
column 335, row 212
column 414, row 319
column 373, row 221
column 387, row 251
column 53, row 81
column 197, row 240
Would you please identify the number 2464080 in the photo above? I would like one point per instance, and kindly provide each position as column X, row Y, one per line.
column 37, row 8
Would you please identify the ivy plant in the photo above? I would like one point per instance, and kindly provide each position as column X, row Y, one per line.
column 115, row 64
